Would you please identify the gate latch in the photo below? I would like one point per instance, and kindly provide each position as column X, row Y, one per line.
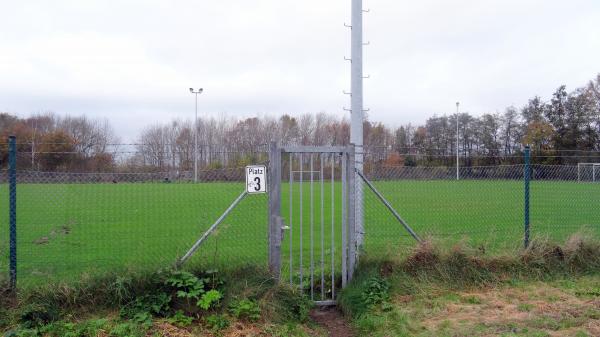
column 284, row 228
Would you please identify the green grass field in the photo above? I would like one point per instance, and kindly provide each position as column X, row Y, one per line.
column 67, row 229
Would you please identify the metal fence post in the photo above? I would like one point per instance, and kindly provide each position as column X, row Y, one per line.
column 275, row 221
column 351, row 212
column 527, row 175
column 12, row 191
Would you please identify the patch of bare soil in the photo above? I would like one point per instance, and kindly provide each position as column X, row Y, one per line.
column 60, row 231
column 330, row 319
column 168, row 330
column 523, row 307
column 237, row 329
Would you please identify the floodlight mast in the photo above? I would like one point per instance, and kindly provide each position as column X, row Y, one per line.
column 357, row 111
column 457, row 159
column 196, row 93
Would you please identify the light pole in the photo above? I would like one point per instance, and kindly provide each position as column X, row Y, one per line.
column 457, row 164
column 196, row 92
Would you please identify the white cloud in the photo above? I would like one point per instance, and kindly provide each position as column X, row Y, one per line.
column 132, row 61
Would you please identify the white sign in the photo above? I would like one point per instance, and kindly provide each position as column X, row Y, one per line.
column 256, row 179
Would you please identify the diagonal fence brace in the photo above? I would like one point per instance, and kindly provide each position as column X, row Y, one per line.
column 389, row 207
column 196, row 245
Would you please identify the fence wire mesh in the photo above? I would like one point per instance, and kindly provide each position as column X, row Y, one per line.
column 71, row 223
column 485, row 206
column 74, row 223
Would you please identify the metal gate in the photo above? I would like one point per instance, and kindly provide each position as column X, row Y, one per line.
column 312, row 234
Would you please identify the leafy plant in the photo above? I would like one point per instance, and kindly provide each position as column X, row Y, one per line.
column 209, row 299
column 216, row 322
column 127, row 330
column 143, row 318
column 189, row 287
column 245, row 309
column 146, row 306
column 375, row 291
column 186, row 284
column 180, row 319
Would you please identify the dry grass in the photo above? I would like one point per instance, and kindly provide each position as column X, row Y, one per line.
column 539, row 307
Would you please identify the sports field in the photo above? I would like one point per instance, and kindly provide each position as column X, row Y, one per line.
column 65, row 230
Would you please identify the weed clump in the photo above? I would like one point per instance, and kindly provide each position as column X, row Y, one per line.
column 424, row 255
column 140, row 303
column 582, row 253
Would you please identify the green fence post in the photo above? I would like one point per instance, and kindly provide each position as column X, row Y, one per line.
column 12, row 213
column 527, row 175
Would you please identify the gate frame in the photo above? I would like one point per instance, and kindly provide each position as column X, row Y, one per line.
column 276, row 225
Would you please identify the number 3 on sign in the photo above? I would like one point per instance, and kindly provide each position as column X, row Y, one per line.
column 256, row 179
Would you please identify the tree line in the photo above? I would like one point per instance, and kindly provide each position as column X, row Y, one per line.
column 49, row 142
column 563, row 130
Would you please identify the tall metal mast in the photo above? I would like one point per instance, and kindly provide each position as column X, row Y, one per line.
column 356, row 128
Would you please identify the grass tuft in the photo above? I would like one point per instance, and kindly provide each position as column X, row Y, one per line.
column 430, row 267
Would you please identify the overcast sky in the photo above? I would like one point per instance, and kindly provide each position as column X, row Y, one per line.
column 132, row 62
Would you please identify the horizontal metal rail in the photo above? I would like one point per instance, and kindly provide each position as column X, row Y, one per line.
column 314, row 149
column 389, row 207
column 211, row 229
column 326, row 303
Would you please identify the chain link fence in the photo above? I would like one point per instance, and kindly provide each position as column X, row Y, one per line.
column 70, row 223
column 485, row 206
column 74, row 223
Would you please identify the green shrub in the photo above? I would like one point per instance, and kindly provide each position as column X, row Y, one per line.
column 143, row 308
column 192, row 288
column 209, row 299
column 180, row 319
column 375, row 291
column 216, row 322
column 245, row 309
column 186, row 284
column 36, row 315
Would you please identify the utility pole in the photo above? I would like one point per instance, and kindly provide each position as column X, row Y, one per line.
column 196, row 92
column 457, row 159
column 357, row 118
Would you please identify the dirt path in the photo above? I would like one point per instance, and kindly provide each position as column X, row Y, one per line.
column 332, row 321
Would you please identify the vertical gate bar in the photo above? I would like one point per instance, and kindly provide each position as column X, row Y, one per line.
column 291, row 230
column 322, row 228
column 274, row 176
column 344, row 229
column 312, row 230
column 352, row 243
column 301, row 221
column 333, row 225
